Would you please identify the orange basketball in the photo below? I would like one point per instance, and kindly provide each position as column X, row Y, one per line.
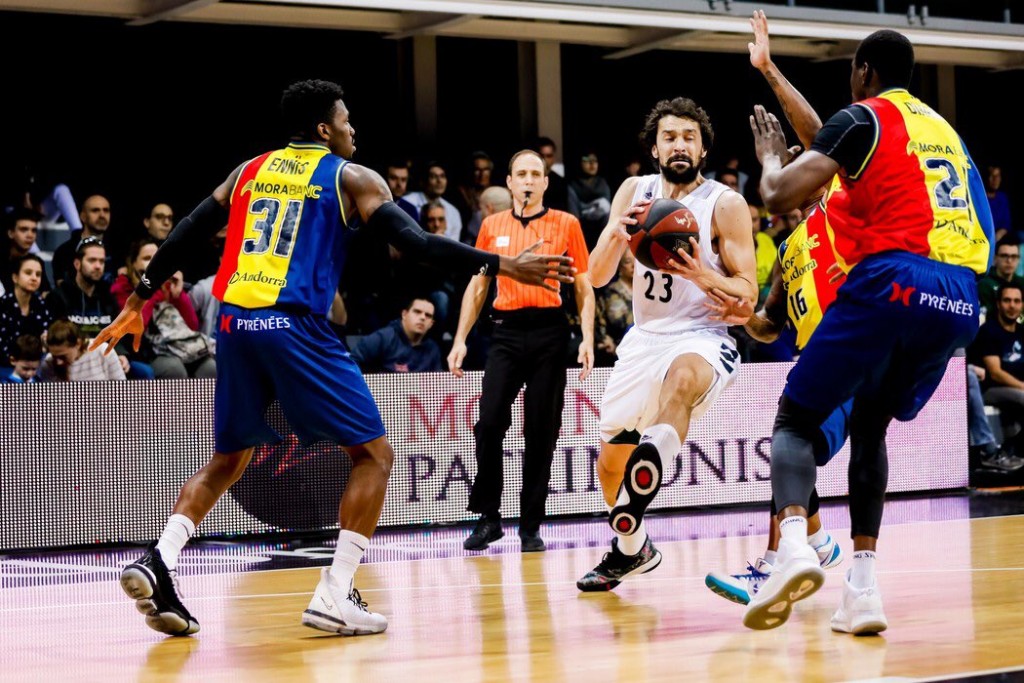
column 663, row 227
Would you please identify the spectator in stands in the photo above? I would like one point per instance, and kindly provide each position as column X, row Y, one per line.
column 557, row 194
column 765, row 253
column 1003, row 271
column 25, row 355
column 729, row 177
column 984, row 449
column 86, row 300
column 592, row 198
column 397, row 175
column 999, row 349
column 416, row 277
column 95, row 223
column 783, row 225
column 69, row 359
column 171, row 324
column 492, row 200
column 434, row 187
column 999, row 203
column 206, row 304
column 477, row 178
column 733, row 167
column 22, row 310
column 22, row 228
column 403, row 345
column 159, row 222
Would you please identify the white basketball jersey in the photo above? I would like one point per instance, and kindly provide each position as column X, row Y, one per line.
column 668, row 304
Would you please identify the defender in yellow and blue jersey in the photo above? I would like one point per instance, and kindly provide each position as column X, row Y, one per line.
column 291, row 216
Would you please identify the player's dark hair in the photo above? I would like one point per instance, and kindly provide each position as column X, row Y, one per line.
column 27, row 347
column 891, row 56
column 684, row 108
column 306, row 104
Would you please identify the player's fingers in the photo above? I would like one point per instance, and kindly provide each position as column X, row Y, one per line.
column 534, row 246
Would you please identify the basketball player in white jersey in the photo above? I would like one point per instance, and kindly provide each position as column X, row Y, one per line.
column 675, row 360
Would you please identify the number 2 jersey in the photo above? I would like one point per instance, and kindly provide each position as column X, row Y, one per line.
column 287, row 231
column 905, row 184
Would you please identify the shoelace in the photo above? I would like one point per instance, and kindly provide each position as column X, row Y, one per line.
column 356, row 599
column 174, row 581
column 753, row 574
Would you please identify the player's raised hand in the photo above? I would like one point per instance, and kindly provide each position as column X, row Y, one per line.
column 128, row 321
column 729, row 309
column 532, row 268
column 760, row 56
column 769, row 140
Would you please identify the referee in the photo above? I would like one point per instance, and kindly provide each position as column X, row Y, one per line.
column 528, row 347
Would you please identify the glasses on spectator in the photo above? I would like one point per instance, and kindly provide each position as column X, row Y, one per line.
column 163, row 216
column 88, row 242
column 589, row 159
column 1012, row 257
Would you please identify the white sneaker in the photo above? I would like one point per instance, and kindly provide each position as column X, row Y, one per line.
column 739, row 588
column 797, row 574
column 330, row 610
column 829, row 553
column 860, row 611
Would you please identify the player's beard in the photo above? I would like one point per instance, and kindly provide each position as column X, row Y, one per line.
column 681, row 177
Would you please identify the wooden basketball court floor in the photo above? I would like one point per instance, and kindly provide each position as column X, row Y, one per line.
column 953, row 592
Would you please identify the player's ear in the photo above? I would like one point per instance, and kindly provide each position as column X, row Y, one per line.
column 323, row 131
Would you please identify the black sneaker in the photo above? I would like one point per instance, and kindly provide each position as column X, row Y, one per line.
column 532, row 543
column 1001, row 460
column 487, row 531
column 154, row 589
column 616, row 567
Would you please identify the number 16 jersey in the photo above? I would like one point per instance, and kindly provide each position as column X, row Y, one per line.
column 287, row 232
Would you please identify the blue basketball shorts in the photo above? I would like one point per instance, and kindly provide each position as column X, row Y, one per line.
column 887, row 338
column 267, row 354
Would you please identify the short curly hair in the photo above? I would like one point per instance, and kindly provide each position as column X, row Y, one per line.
column 308, row 103
column 684, row 108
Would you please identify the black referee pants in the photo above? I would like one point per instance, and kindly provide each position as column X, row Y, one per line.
column 535, row 356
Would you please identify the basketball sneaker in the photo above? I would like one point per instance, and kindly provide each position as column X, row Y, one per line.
column 860, row 610
column 347, row 615
column 829, row 553
column 796, row 576
column 616, row 567
column 154, row 588
column 739, row 588
column 640, row 484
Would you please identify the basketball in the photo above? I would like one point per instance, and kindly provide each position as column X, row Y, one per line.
column 663, row 227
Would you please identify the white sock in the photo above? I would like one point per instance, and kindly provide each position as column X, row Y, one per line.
column 347, row 555
column 631, row 545
column 818, row 538
column 665, row 438
column 176, row 534
column 863, row 573
column 770, row 556
column 794, row 529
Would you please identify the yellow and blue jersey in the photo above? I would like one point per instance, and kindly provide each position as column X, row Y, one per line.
column 287, row 231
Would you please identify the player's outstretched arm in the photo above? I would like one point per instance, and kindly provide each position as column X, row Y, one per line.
column 373, row 200
column 798, row 111
column 604, row 260
column 204, row 221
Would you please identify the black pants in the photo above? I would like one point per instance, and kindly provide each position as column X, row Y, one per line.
column 534, row 356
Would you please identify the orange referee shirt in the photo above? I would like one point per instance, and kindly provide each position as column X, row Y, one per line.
column 504, row 234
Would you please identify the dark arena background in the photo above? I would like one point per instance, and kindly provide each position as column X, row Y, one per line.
column 149, row 103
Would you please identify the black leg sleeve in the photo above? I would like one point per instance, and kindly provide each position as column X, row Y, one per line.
column 869, row 467
column 793, row 466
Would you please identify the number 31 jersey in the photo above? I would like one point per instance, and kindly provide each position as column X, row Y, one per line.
column 287, row 231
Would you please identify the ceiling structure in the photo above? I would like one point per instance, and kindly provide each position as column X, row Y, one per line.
column 623, row 27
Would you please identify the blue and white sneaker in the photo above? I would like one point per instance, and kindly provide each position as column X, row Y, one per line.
column 829, row 553
column 739, row 588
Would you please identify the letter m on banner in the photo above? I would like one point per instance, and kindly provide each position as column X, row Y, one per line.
column 443, row 418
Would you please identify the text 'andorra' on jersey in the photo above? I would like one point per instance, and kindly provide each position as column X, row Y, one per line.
column 287, row 231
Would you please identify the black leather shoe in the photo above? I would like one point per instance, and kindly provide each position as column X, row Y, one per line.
column 532, row 543
column 487, row 531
